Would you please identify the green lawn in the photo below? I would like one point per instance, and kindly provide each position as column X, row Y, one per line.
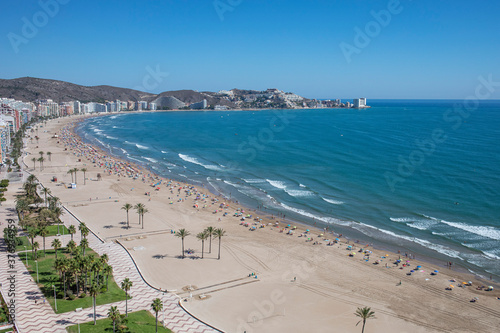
column 26, row 242
column 53, row 230
column 141, row 321
column 48, row 276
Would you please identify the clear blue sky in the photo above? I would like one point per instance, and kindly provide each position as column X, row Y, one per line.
column 430, row 49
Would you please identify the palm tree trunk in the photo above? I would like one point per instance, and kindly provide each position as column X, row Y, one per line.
column 202, row 247
column 156, row 322
column 363, row 329
column 126, row 304
column 142, row 221
column 219, row 250
column 183, row 248
column 210, row 247
column 128, row 226
column 94, row 313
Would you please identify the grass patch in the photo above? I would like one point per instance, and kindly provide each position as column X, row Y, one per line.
column 26, row 242
column 12, row 330
column 141, row 321
column 53, row 230
column 48, row 276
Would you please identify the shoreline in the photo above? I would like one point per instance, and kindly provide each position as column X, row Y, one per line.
column 256, row 244
column 347, row 231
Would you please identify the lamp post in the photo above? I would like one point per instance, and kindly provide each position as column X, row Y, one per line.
column 26, row 251
column 55, row 298
column 36, row 261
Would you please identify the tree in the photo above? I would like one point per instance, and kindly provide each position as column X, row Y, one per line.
column 32, row 234
column 43, row 232
column 57, row 212
column 84, row 178
column 75, row 170
column 203, row 237
column 46, row 191
column 114, row 315
column 72, row 230
column 139, row 207
column 41, row 153
column 182, row 233
column 56, row 244
column 84, row 243
column 365, row 314
column 70, row 171
column 36, row 246
column 126, row 285
column 71, row 246
column 157, row 306
column 94, row 291
column 210, row 231
column 143, row 211
column 49, row 154
column 108, row 270
column 126, row 207
column 219, row 233
column 41, row 159
column 34, row 162
column 83, row 230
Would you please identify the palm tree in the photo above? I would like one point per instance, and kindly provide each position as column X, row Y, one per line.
column 114, row 315
column 34, row 161
column 143, row 211
column 41, row 159
column 127, row 207
column 83, row 230
column 75, row 170
column 219, row 233
column 108, row 270
column 32, row 234
column 70, row 171
column 364, row 313
column 56, row 213
column 84, row 179
column 84, row 243
column 49, row 154
column 210, row 231
column 94, row 291
column 41, row 153
column 182, row 233
column 45, row 191
column 139, row 207
column 43, row 232
column 36, row 246
column 56, row 244
column 71, row 246
column 203, row 237
column 157, row 306
column 72, row 230
column 126, row 285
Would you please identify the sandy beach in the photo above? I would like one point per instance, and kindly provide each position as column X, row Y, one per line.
column 273, row 279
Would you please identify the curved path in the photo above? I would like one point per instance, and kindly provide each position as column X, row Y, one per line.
column 38, row 316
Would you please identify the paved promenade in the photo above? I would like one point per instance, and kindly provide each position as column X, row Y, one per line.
column 34, row 315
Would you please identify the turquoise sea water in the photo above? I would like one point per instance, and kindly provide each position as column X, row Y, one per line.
column 419, row 176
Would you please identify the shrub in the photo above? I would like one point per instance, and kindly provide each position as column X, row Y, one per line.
column 60, row 295
column 83, row 295
column 71, row 296
column 103, row 289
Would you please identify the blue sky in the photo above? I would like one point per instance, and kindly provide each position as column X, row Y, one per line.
column 429, row 49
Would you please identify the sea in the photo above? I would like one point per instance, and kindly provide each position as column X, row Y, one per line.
column 418, row 176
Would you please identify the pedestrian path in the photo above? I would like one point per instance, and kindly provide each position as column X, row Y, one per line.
column 35, row 315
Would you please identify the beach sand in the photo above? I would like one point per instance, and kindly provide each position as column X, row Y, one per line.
column 298, row 287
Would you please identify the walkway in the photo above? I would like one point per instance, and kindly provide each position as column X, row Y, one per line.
column 39, row 316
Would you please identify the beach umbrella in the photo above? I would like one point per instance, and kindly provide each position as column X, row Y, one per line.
column 436, row 271
column 338, row 240
column 321, row 234
column 295, row 227
column 419, row 266
column 307, row 230
column 452, row 286
column 412, row 271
